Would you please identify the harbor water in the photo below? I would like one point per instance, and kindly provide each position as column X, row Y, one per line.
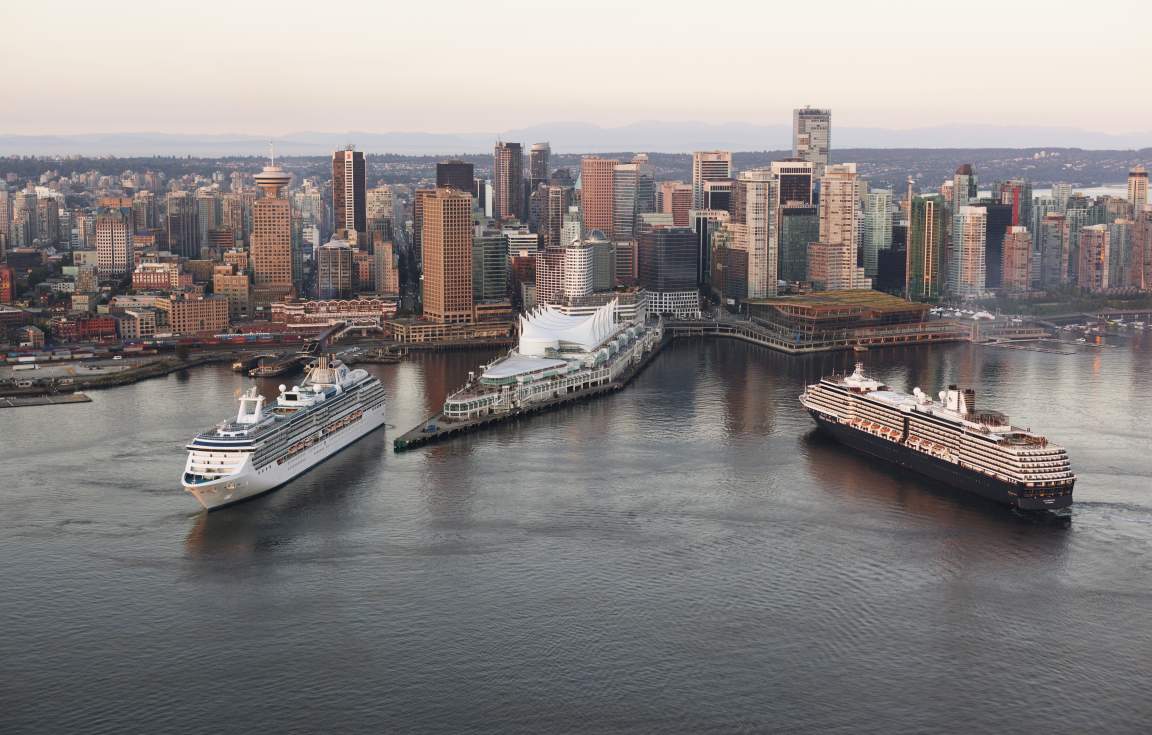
column 686, row 555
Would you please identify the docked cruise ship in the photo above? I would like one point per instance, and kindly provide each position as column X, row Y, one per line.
column 949, row 441
column 557, row 355
column 266, row 446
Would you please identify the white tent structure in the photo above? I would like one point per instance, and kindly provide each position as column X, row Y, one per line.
column 545, row 328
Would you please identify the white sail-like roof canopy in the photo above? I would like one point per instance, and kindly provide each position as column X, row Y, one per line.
column 545, row 328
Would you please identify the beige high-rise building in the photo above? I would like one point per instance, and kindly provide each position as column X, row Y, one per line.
column 113, row 243
column 596, row 195
column 812, row 137
column 1093, row 272
column 832, row 261
column 1016, row 273
column 755, row 199
column 1137, row 187
column 708, row 166
column 271, row 248
column 508, row 182
column 447, row 256
column 968, row 257
column 233, row 285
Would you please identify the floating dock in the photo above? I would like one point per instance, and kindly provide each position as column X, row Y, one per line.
column 45, row 400
column 279, row 365
column 437, row 427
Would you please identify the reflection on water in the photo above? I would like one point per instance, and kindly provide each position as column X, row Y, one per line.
column 685, row 555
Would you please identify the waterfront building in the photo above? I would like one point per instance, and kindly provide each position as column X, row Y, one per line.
column 192, row 314
column 271, row 249
column 447, row 256
column 812, row 137
column 233, row 285
column 1016, row 270
column 349, row 191
column 557, row 355
column 508, row 182
column 708, row 166
column 455, row 175
column 334, row 269
column 927, row 229
column 596, row 195
column 1093, row 271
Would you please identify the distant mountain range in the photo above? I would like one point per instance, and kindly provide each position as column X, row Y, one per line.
column 568, row 137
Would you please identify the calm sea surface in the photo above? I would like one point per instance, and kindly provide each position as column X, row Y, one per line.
column 687, row 555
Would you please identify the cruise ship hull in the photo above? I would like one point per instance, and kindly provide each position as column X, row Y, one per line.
column 248, row 481
column 940, row 470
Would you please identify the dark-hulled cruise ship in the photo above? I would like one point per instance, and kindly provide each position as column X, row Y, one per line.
column 949, row 441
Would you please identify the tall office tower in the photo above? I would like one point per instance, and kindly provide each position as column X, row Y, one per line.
column 1076, row 218
column 271, row 249
column 419, row 199
column 489, row 265
column 667, row 259
column 1120, row 255
column 964, row 187
column 969, row 255
column 625, row 190
column 144, row 214
column 380, row 207
column 705, row 224
column 555, row 200
column 207, row 214
column 812, row 137
column 1061, row 193
column 754, row 204
column 795, row 177
column 1137, row 187
column 718, row 194
column 456, row 175
column 999, row 219
column 180, row 224
column 1142, row 248
column 232, row 216
column 877, row 228
column 1016, row 263
column 926, row 232
column 708, row 166
column 508, row 182
column 832, row 260
column 1053, row 251
column 447, row 245
column 538, row 162
column 572, row 228
column 675, row 198
column 387, row 269
column 1017, row 193
column 334, row 270
column 113, row 243
column 47, row 220
column 799, row 228
column 1093, row 272
column 603, row 264
column 577, row 279
column 349, row 187
column 596, row 196
column 645, row 184
column 549, row 276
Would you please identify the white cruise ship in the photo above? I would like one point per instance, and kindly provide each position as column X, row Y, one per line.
column 265, row 447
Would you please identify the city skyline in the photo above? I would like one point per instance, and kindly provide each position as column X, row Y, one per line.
column 299, row 44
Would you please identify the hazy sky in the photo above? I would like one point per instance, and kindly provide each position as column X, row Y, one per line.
column 253, row 66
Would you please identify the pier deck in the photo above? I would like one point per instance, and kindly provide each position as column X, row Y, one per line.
column 436, row 428
column 44, row 400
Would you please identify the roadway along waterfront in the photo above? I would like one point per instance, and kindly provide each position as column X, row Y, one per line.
column 686, row 555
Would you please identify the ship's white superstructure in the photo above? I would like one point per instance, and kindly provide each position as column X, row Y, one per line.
column 264, row 447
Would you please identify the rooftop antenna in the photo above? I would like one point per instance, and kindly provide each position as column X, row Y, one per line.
column 272, row 152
